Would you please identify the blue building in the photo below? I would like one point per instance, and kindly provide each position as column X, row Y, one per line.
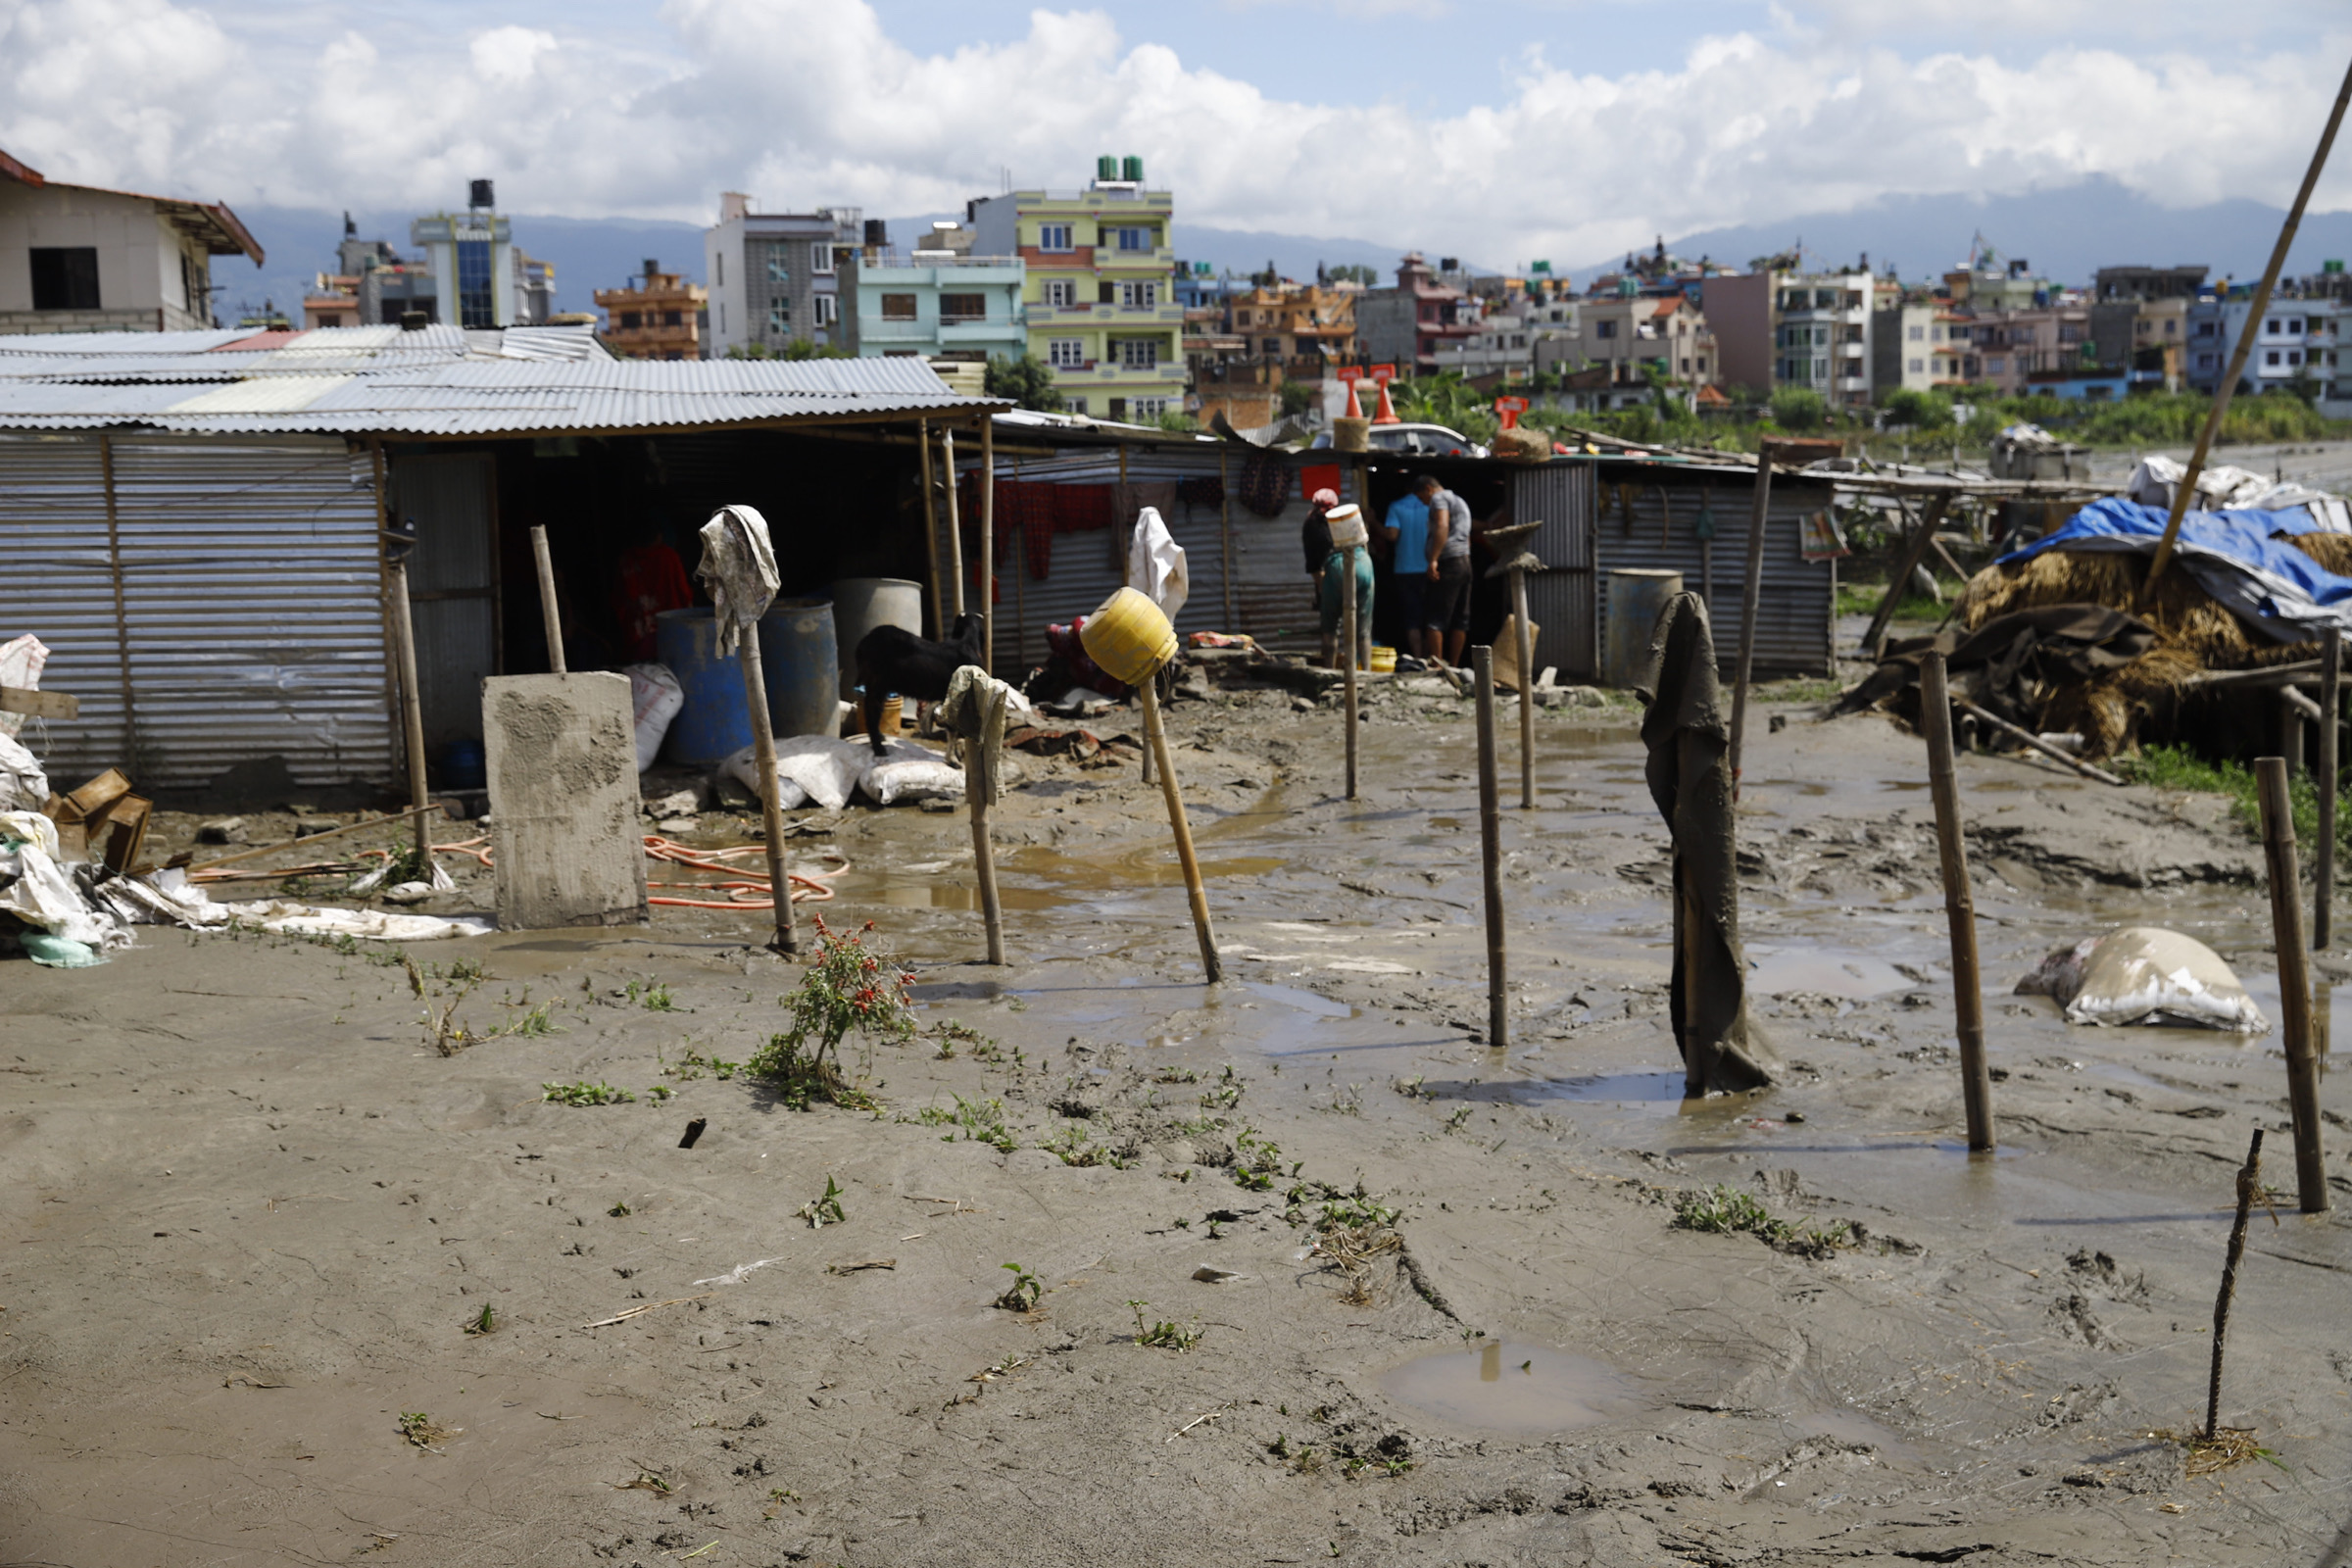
column 937, row 301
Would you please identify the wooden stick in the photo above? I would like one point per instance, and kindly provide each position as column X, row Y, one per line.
column 2185, row 491
column 2323, row 898
column 1490, row 844
column 411, row 703
column 2256, row 677
column 2290, row 727
column 2294, row 980
column 547, row 599
column 2250, row 1178
column 976, row 784
column 1527, row 691
column 1959, row 902
column 1750, row 598
column 39, row 703
column 946, row 446
column 2025, row 737
column 938, row 589
column 787, row 939
column 1914, row 551
column 314, row 838
column 1347, row 658
column 988, row 545
column 1157, row 738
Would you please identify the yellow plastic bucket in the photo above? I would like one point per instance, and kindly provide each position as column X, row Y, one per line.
column 1128, row 637
column 1384, row 660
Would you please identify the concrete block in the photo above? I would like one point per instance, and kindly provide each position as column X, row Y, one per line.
column 562, row 752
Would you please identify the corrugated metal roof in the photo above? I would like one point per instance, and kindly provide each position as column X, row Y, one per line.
column 430, row 384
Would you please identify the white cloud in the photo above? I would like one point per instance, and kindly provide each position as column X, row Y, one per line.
column 814, row 101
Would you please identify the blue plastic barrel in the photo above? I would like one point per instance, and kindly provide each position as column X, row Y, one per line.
column 801, row 666
column 714, row 723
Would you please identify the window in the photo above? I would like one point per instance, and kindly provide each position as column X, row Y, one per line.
column 2270, row 327
column 1066, row 353
column 1061, row 293
column 964, row 307
column 673, row 319
column 722, row 316
column 1995, row 365
column 821, row 257
column 1077, row 404
column 2204, row 361
column 778, row 270
column 1938, row 334
column 1146, row 296
column 719, row 270
column 1273, row 346
column 2294, row 327
column 828, row 310
column 1148, row 408
column 1130, row 239
column 1917, row 365
column 1053, row 237
column 1136, row 353
column 2294, row 356
column 2270, row 357
column 779, row 318
column 1959, row 335
column 1605, row 330
column 475, row 305
column 1916, row 334
column 897, row 307
column 630, row 320
column 2170, row 327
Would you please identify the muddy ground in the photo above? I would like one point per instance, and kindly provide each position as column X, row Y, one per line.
column 251, row 1212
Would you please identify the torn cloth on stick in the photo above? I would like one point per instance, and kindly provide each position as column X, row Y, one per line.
column 1690, row 778
column 976, row 710
column 738, row 570
column 1155, row 564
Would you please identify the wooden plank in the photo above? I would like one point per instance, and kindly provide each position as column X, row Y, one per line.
column 40, row 705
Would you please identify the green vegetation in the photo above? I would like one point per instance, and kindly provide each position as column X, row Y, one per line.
column 825, row 1209
column 1725, row 1210
column 584, row 1093
column 981, row 1121
column 1164, row 1335
column 848, row 989
column 421, row 1431
column 1862, row 599
column 483, row 1322
column 2177, row 768
column 1799, row 408
column 694, row 1064
column 1028, row 381
column 800, row 348
column 1025, row 1292
column 656, row 998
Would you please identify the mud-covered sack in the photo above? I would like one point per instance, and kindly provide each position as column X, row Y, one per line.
column 2145, row 974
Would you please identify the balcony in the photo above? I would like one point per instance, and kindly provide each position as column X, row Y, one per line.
column 1089, row 315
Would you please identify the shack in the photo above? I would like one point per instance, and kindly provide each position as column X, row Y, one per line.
column 190, row 521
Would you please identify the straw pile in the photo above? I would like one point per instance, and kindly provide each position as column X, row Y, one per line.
column 2193, row 633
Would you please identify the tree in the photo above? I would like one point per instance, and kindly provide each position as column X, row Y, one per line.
column 1920, row 411
column 1798, row 408
column 800, row 348
column 1028, row 382
column 1297, row 398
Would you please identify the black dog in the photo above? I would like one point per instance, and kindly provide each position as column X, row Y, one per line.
column 892, row 659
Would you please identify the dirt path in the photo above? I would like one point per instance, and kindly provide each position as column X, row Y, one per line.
column 251, row 1214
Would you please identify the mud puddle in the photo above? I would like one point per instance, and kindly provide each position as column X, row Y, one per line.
column 1778, row 971
column 1507, row 1386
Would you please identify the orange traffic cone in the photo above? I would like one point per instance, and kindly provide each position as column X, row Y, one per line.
column 1356, row 410
column 1388, row 410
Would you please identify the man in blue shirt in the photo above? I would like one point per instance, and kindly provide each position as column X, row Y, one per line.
column 1406, row 529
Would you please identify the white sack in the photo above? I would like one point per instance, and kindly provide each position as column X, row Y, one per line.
column 808, row 767
column 24, row 787
column 41, row 892
column 1155, row 564
column 21, row 662
column 906, row 771
column 169, row 898
column 654, row 699
column 2145, row 974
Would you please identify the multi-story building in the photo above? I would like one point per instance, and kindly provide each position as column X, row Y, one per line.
column 1406, row 325
column 775, row 278
column 657, row 317
column 1100, row 291
column 944, row 300
column 78, row 259
column 1632, row 335
column 1739, row 307
column 1919, row 344
column 1307, row 326
column 1821, row 334
column 479, row 280
column 2041, row 348
column 2294, row 343
column 2112, row 284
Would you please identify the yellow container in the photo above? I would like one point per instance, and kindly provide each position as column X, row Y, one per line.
column 1384, row 660
column 1129, row 637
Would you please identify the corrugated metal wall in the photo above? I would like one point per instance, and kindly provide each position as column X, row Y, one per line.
column 453, row 584
column 251, row 604
column 1600, row 517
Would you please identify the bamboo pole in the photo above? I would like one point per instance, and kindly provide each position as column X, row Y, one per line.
column 2025, row 737
column 1751, row 595
column 938, row 589
column 412, row 706
column 988, row 545
column 1347, row 658
column 1157, row 738
column 2323, row 899
column 787, row 938
column 1914, row 551
column 976, row 787
column 547, row 599
column 1959, row 902
column 1527, row 693
column 1490, row 844
column 306, row 842
column 2250, row 1178
column 947, row 450
column 2294, row 980
column 2185, row 491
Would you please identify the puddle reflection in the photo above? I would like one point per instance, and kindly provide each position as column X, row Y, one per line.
column 1509, row 1386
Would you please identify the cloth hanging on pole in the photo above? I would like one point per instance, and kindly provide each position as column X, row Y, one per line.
column 1155, row 564
column 977, row 711
column 1690, row 778
column 738, row 569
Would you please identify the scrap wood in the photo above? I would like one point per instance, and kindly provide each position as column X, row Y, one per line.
column 39, row 703
column 1197, row 1420
column 634, row 1311
column 2026, row 737
column 853, row 1268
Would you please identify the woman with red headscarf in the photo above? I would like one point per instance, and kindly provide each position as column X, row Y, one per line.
column 1328, row 569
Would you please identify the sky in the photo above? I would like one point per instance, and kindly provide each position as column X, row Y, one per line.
column 1565, row 130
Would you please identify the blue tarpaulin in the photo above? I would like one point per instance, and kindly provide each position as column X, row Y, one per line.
column 2269, row 584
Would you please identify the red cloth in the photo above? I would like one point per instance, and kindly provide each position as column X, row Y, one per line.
column 1318, row 477
column 651, row 579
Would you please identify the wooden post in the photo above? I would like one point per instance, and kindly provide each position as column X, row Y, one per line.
column 938, row 589
column 1915, row 551
column 2290, row 731
column 2250, row 1178
column 1749, row 598
column 412, row 706
column 1157, row 738
column 984, row 856
column 547, row 599
column 988, row 545
column 1959, row 902
column 2331, row 708
column 1527, row 693
column 1347, row 658
column 787, row 938
column 1490, row 844
column 2294, row 980
column 947, row 450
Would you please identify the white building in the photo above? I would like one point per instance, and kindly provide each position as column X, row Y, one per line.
column 1821, row 334
column 775, row 278
column 2294, row 345
column 78, row 259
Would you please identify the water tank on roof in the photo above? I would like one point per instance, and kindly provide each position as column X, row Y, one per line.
column 1132, row 168
column 480, row 195
column 1106, row 167
column 877, row 231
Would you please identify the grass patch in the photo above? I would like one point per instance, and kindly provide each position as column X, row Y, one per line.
column 1799, row 691
column 979, row 1121
column 585, row 1092
column 2228, row 1446
column 2177, row 768
column 1163, row 1336
column 1725, row 1210
column 824, row 1209
column 1025, row 1292
column 1862, row 599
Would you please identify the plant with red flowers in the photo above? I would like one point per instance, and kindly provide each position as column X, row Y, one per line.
column 851, row 987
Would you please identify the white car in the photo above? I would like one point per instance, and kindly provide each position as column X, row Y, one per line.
column 1419, row 441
